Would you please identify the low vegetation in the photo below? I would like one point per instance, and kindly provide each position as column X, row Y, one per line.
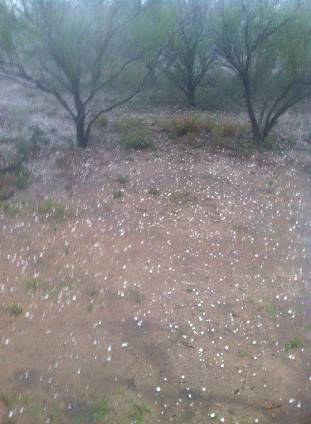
column 137, row 140
column 52, row 209
column 14, row 309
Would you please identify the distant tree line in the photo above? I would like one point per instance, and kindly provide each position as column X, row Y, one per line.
column 96, row 55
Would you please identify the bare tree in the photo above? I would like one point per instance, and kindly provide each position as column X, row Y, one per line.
column 266, row 44
column 73, row 50
column 189, row 53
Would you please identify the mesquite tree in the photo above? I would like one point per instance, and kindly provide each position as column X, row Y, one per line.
column 266, row 45
column 189, row 52
column 74, row 50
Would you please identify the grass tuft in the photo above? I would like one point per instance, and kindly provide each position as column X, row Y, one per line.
column 14, row 309
column 293, row 344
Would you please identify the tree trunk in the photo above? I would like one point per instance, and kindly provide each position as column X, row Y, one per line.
column 82, row 135
column 257, row 136
column 191, row 96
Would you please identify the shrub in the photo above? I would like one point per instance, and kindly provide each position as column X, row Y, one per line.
column 184, row 125
column 127, row 124
column 137, row 140
column 229, row 128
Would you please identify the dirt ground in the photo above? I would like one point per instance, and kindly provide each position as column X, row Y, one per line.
column 166, row 286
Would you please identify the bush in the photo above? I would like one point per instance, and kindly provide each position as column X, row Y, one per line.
column 127, row 124
column 137, row 140
column 184, row 125
column 229, row 128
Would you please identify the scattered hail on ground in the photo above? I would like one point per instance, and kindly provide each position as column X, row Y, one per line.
column 162, row 286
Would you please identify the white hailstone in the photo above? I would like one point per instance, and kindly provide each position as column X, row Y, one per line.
column 109, row 359
column 7, row 341
column 299, row 404
column 222, row 420
column 158, row 389
column 109, row 348
column 212, row 415
column 203, row 389
column 291, row 400
column 254, row 342
column 256, row 420
column 124, row 345
column 11, row 413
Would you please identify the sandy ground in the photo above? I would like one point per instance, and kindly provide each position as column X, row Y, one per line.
column 184, row 299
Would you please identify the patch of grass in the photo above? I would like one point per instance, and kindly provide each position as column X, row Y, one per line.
column 238, row 228
column 100, row 410
column 122, row 179
column 184, row 125
column 11, row 209
column 14, row 309
column 136, row 140
column 154, row 191
column 244, row 354
column 270, row 310
column 55, row 210
column 138, row 413
column 228, row 128
column 308, row 328
column 293, row 344
column 270, row 143
column 22, row 177
column 127, row 124
column 32, row 284
column 118, row 194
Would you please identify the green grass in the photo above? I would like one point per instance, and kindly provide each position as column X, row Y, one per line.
column 32, row 284
column 270, row 309
column 22, row 177
column 307, row 328
column 127, row 124
column 55, row 210
column 136, row 140
column 14, row 309
column 11, row 209
column 118, row 194
column 100, row 410
column 122, row 179
column 138, row 413
column 293, row 344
